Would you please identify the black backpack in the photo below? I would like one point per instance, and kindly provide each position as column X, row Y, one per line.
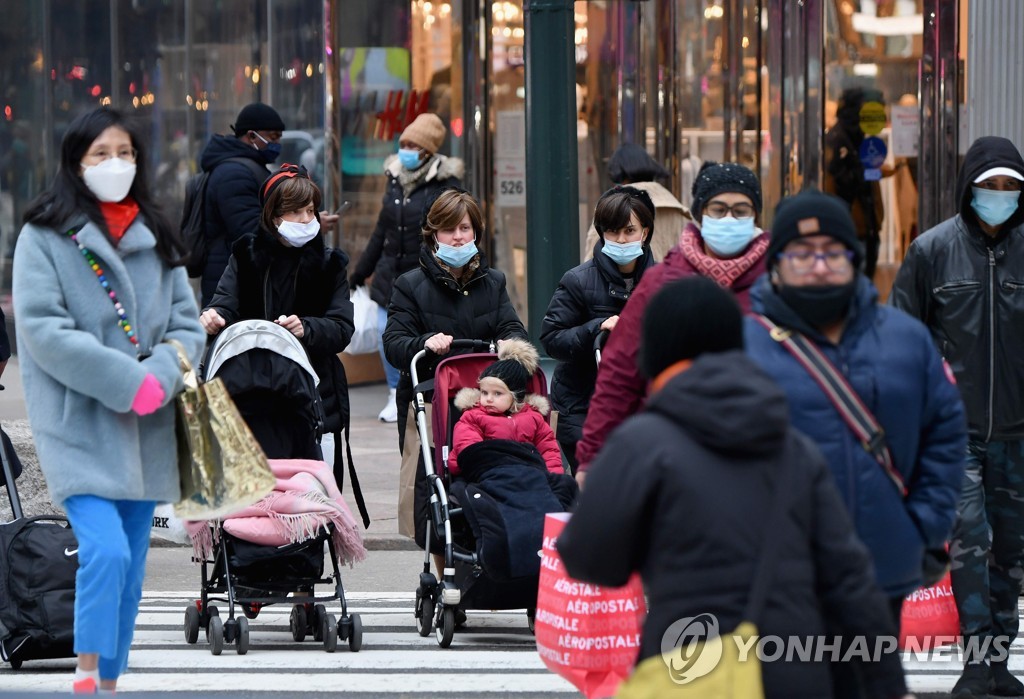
column 193, row 214
column 38, row 563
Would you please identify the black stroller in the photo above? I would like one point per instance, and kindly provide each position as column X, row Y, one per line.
column 477, row 573
column 267, row 372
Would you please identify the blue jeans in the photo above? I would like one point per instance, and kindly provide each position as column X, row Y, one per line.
column 389, row 371
column 113, row 540
column 987, row 549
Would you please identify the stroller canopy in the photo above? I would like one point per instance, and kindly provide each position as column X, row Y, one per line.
column 257, row 334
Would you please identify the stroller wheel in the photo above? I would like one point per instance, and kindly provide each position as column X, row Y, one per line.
column 242, row 636
column 329, row 630
column 297, row 622
column 317, row 623
column 424, row 615
column 191, row 624
column 215, row 634
column 355, row 635
column 445, row 627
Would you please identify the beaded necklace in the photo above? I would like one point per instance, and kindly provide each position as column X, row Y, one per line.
column 101, row 276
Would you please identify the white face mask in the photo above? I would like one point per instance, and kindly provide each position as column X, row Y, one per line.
column 298, row 234
column 110, row 180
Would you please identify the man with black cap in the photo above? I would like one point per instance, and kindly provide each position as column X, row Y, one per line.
column 238, row 168
column 866, row 384
column 964, row 279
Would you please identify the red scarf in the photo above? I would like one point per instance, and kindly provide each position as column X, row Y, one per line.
column 723, row 271
column 118, row 216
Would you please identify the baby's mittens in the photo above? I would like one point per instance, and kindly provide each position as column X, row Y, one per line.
column 150, row 396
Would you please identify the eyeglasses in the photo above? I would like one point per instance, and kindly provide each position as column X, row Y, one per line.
column 126, row 154
column 717, row 209
column 803, row 261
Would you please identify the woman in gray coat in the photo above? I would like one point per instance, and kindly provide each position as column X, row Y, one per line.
column 98, row 291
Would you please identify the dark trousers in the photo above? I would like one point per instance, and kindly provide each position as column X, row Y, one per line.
column 848, row 679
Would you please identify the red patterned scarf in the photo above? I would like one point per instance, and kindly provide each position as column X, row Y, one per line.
column 118, row 216
column 723, row 272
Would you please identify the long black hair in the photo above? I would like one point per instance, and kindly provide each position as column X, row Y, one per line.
column 69, row 196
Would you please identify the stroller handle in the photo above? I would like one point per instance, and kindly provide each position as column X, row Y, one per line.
column 473, row 345
column 599, row 343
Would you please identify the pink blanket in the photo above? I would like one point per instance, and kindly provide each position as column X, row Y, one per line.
column 304, row 501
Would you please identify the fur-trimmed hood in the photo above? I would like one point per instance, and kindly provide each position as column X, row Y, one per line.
column 468, row 398
column 439, row 167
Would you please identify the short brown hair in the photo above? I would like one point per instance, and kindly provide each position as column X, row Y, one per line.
column 613, row 211
column 292, row 194
column 447, row 212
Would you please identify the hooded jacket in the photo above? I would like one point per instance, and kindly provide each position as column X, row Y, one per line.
column 586, row 296
column 265, row 279
column 890, row 362
column 967, row 288
column 394, row 245
column 232, row 201
column 688, row 513
column 528, row 425
column 620, row 387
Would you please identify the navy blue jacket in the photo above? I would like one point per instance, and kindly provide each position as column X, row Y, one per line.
column 889, row 359
column 232, row 202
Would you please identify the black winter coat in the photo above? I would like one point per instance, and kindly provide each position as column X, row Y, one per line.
column 681, row 492
column 394, row 246
column 232, row 202
column 967, row 288
column 586, row 296
column 264, row 279
column 427, row 301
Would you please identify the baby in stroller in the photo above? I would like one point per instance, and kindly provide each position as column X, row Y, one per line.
column 502, row 466
column 501, row 409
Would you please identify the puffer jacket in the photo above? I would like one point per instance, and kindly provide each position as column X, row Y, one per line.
column 968, row 288
column 586, row 296
column 265, row 279
column 888, row 359
column 394, row 246
column 526, row 426
column 688, row 511
column 232, row 201
column 429, row 300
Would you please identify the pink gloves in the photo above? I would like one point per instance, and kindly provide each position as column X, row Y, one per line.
column 150, row 396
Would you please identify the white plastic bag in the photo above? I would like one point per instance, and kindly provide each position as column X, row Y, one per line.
column 167, row 526
column 366, row 337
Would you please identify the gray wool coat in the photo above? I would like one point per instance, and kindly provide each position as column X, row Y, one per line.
column 81, row 373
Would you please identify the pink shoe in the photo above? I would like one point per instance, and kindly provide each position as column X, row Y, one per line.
column 86, row 685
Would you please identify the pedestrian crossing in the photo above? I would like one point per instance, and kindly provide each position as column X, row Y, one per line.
column 493, row 655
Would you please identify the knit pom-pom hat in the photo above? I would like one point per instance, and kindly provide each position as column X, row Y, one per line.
column 517, row 362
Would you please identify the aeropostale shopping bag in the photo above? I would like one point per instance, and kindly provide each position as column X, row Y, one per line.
column 586, row 633
column 929, row 619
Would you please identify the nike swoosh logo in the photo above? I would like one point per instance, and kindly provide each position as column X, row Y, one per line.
column 70, row 552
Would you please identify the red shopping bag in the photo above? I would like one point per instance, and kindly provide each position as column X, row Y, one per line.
column 586, row 633
column 929, row 618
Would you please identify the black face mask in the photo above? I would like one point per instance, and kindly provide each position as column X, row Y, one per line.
column 819, row 305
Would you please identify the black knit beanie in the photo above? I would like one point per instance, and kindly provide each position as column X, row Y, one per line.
column 812, row 212
column 685, row 319
column 715, row 178
column 517, row 360
column 257, row 117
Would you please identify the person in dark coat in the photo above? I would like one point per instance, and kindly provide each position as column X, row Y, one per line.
column 813, row 288
column 588, row 300
column 238, row 168
column 687, row 509
column 285, row 273
column 728, row 246
column 416, row 175
column 963, row 280
column 452, row 295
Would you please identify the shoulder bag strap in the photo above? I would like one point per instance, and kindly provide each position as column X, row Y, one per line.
column 846, row 401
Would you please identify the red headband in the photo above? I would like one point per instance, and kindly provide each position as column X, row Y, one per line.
column 287, row 171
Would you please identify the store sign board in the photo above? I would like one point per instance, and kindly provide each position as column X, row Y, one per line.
column 906, row 131
column 510, row 182
column 872, row 118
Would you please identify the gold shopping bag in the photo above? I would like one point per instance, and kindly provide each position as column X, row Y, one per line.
column 222, row 467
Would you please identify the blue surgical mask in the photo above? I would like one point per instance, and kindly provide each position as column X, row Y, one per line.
column 727, row 236
column 272, row 151
column 456, row 257
column 623, row 253
column 992, row 206
column 409, row 157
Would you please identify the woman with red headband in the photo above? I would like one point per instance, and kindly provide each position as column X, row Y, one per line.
column 284, row 272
